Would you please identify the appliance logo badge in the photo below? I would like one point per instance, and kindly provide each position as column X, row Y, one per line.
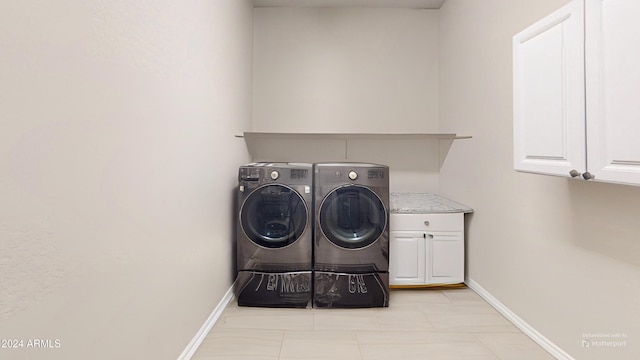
column 287, row 283
column 375, row 174
column 298, row 174
column 357, row 284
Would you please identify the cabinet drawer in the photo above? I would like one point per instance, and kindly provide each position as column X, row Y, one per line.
column 426, row 222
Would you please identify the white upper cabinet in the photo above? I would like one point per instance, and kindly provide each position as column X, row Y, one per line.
column 576, row 83
column 548, row 71
column 612, row 58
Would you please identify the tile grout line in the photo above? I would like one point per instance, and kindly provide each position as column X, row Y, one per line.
column 284, row 333
column 482, row 343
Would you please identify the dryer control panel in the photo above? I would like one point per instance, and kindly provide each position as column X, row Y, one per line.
column 249, row 174
column 264, row 173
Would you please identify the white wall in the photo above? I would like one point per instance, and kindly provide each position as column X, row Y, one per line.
column 353, row 70
column 563, row 255
column 117, row 167
column 345, row 70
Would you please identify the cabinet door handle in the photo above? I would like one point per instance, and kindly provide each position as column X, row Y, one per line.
column 426, row 223
column 588, row 176
column 574, row 173
column 430, row 236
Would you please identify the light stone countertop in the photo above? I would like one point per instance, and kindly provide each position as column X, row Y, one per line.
column 424, row 203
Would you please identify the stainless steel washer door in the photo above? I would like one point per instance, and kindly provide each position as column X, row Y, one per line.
column 352, row 217
column 274, row 216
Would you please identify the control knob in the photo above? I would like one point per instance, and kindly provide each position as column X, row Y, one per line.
column 274, row 175
column 353, row 175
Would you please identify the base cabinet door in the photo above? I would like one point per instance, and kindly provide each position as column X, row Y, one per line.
column 447, row 255
column 407, row 263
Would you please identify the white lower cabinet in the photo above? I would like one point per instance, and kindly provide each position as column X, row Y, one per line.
column 426, row 249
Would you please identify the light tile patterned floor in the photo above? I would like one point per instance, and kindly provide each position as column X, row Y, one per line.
column 418, row 324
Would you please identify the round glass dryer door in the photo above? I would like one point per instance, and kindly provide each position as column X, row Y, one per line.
column 274, row 216
column 352, row 217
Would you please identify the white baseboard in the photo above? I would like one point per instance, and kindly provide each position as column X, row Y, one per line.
column 527, row 329
column 188, row 352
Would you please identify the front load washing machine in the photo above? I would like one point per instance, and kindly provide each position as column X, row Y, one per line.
column 274, row 235
column 351, row 239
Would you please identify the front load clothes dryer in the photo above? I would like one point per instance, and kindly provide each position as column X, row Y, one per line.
column 274, row 241
column 351, row 239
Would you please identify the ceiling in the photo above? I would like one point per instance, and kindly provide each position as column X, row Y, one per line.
column 412, row 4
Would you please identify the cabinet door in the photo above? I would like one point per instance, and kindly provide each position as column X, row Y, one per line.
column 407, row 258
column 548, row 94
column 612, row 55
column 447, row 258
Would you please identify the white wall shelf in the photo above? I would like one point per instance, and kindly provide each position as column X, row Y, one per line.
column 372, row 147
column 346, row 136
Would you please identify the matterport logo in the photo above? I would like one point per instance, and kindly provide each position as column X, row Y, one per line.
column 604, row 340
